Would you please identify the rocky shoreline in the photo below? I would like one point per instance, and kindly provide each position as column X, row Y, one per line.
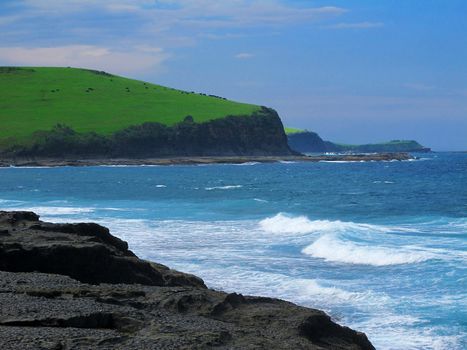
column 75, row 286
column 36, row 162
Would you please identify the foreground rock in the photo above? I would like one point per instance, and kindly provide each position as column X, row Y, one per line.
column 65, row 286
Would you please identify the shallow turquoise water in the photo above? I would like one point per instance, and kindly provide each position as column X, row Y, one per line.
column 381, row 246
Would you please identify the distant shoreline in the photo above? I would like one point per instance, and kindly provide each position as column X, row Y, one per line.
column 202, row 160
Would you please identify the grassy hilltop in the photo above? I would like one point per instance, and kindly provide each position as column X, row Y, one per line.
column 34, row 99
column 291, row 131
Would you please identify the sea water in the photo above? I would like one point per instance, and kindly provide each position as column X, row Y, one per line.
column 380, row 246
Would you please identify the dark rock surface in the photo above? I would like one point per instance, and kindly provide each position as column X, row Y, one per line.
column 85, row 252
column 45, row 303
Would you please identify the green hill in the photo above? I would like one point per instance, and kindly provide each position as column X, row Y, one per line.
column 34, row 99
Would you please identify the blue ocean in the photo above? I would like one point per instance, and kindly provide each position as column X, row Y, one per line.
column 380, row 246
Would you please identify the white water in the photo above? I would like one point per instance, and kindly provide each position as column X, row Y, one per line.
column 330, row 248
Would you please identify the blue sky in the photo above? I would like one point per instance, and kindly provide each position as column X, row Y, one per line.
column 354, row 71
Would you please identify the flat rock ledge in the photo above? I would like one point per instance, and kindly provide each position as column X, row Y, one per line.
column 75, row 286
column 50, row 162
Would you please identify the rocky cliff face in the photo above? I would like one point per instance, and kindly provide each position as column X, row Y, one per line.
column 307, row 142
column 78, row 287
column 259, row 134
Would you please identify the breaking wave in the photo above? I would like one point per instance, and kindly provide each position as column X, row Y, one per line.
column 330, row 248
column 283, row 223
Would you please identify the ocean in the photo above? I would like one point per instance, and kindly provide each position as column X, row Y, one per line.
column 380, row 246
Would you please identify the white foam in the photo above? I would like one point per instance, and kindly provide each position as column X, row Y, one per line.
column 246, row 163
column 229, row 187
column 282, row 223
column 299, row 290
column 10, row 201
column 161, row 186
column 260, row 200
column 330, row 248
column 47, row 211
column 28, row 167
column 396, row 332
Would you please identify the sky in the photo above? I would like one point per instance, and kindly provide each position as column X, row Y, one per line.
column 355, row 71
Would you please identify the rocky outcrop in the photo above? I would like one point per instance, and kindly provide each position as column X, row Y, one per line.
column 47, row 305
column 259, row 134
column 85, row 252
column 311, row 142
column 391, row 146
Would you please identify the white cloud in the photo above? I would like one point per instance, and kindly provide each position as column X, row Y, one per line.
column 357, row 25
column 234, row 13
column 168, row 23
column 86, row 56
column 244, row 55
column 207, row 13
column 87, row 26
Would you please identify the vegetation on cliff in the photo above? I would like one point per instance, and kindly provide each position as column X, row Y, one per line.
column 259, row 134
column 290, row 131
column 35, row 99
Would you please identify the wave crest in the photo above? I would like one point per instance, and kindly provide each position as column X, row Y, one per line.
column 331, row 248
column 229, row 187
column 282, row 223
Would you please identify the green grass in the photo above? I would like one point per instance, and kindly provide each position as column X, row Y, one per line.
column 388, row 143
column 290, row 131
column 33, row 99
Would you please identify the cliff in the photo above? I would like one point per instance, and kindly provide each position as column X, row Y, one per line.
column 75, row 286
column 261, row 133
column 69, row 113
